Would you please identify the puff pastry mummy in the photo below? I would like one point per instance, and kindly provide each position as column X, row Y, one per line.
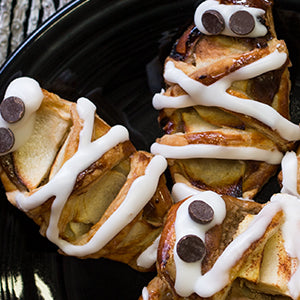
column 81, row 181
column 243, row 250
column 225, row 107
column 271, row 269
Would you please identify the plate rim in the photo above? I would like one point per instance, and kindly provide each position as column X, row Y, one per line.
column 73, row 5
column 42, row 30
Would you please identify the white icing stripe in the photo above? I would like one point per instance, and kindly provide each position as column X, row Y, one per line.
column 61, row 185
column 226, row 11
column 161, row 101
column 216, row 95
column 181, row 191
column 31, row 94
column 289, row 166
column 290, row 231
column 215, row 151
column 149, row 256
column 145, row 293
column 291, row 207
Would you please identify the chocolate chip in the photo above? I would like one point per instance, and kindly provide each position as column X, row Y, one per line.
column 201, row 212
column 241, row 22
column 7, row 139
column 190, row 248
column 213, row 21
column 12, row 109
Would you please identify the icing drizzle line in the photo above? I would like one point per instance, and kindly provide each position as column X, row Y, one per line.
column 216, row 151
column 62, row 183
column 216, row 95
column 289, row 166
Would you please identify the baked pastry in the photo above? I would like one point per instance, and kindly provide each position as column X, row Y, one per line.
column 81, row 181
column 279, row 267
column 225, row 108
column 228, row 248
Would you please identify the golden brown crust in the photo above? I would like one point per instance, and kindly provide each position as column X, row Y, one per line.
column 280, row 175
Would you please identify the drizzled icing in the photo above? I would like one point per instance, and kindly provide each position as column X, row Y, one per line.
column 145, row 293
column 226, row 11
column 215, row 151
column 149, row 256
column 289, row 199
column 289, row 166
column 216, row 95
column 290, row 232
column 181, row 191
column 31, row 94
column 188, row 275
column 61, row 185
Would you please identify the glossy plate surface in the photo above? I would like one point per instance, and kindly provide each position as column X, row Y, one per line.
column 111, row 52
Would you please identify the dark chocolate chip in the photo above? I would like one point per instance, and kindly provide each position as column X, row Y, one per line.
column 201, row 212
column 190, row 248
column 12, row 109
column 213, row 21
column 7, row 139
column 241, row 22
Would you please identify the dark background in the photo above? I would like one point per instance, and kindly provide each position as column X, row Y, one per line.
column 111, row 52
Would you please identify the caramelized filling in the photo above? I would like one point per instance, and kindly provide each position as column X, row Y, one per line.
column 89, row 205
column 202, row 174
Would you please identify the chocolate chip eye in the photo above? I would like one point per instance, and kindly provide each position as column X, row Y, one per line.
column 213, row 21
column 241, row 22
column 190, row 248
column 12, row 109
column 7, row 139
column 201, row 212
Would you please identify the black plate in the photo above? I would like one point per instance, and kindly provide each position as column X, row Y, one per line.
column 111, row 52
